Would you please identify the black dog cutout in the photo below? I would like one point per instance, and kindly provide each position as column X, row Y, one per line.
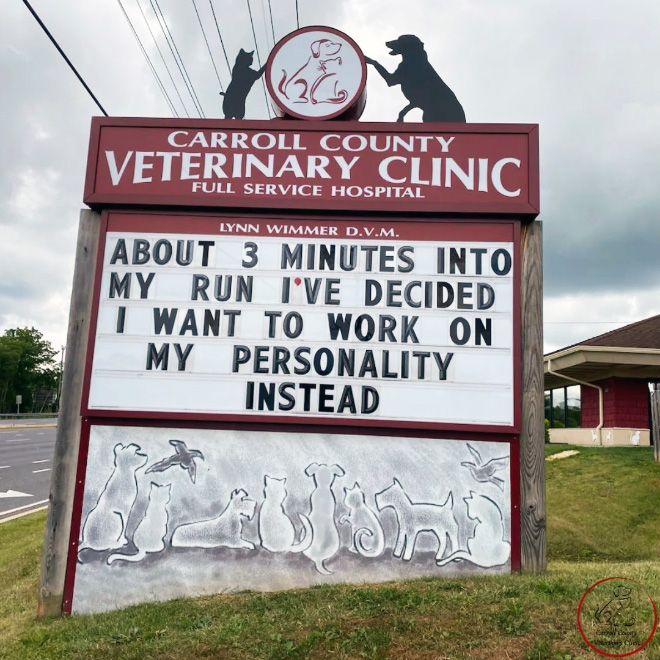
column 420, row 83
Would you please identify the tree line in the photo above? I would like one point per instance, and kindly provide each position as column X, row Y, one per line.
column 27, row 368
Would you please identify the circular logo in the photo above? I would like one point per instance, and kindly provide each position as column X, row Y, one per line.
column 317, row 73
column 616, row 617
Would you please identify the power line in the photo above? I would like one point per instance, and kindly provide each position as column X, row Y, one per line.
column 256, row 45
column 151, row 66
column 179, row 62
column 272, row 27
column 162, row 57
column 66, row 59
column 217, row 75
column 263, row 15
column 222, row 43
column 297, row 16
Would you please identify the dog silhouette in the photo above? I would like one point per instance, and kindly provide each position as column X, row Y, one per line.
column 325, row 540
column 420, row 83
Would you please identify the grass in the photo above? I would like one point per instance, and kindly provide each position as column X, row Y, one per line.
column 602, row 505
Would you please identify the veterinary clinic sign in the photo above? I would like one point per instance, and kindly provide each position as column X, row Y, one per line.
column 388, row 323
column 447, row 168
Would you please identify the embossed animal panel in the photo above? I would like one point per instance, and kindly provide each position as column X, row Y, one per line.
column 414, row 518
column 105, row 525
column 226, row 530
column 149, row 535
column 367, row 535
column 276, row 530
column 487, row 547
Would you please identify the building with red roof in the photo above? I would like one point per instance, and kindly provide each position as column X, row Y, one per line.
column 597, row 391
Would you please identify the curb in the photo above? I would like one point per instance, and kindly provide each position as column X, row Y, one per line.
column 26, row 426
column 42, row 505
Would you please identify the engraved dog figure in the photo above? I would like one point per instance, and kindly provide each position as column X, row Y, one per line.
column 414, row 518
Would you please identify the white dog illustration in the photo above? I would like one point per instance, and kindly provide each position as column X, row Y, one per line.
column 320, row 69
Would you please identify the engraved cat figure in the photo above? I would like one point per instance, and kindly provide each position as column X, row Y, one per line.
column 226, row 530
column 364, row 524
column 242, row 79
column 276, row 529
column 105, row 525
column 149, row 535
column 487, row 547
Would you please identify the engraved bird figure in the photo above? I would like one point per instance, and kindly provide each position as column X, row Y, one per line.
column 183, row 457
column 486, row 472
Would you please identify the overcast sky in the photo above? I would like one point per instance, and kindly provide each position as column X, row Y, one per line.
column 586, row 71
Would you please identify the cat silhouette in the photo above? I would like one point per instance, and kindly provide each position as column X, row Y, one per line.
column 364, row 523
column 149, row 535
column 242, row 79
column 487, row 547
column 276, row 530
column 105, row 525
column 226, row 530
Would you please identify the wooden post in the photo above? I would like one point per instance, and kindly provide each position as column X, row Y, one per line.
column 65, row 461
column 532, row 437
column 655, row 421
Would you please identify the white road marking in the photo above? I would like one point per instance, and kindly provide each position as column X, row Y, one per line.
column 45, row 460
column 40, row 433
column 23, row 513
column 21, row 508
column 15, row 440
column 37, row 471
column 4, row 467
column 13, row 493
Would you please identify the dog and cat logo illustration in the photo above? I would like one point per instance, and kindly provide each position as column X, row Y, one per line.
column 318, row 79
column 316, row 532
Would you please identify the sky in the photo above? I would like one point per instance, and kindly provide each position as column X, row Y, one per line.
column 586, row 72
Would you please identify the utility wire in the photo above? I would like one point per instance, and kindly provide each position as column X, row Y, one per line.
column 256, row 45
column 272, row 27
column 151, row 66
column 263, row 15
column 222, row 43
column 66, row 59
column 297, row 16
column 162, row 57
column 179, row 62
column 217, row 75
column 177, row 58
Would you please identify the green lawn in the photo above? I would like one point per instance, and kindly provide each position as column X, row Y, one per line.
column 603, row 520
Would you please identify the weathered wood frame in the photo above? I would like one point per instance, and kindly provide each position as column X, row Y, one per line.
column 533, row 549
column 65, row 460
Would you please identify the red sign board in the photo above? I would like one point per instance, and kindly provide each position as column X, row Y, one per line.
column 435, row 168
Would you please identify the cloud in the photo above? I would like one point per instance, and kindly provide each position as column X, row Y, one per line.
column 583, row 71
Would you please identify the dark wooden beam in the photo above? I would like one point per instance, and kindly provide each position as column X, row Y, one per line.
column 65, row 461
column 532, row 436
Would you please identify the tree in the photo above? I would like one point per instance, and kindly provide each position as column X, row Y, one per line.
column 26, row 365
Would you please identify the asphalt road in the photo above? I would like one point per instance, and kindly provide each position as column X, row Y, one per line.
column 26, row 456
